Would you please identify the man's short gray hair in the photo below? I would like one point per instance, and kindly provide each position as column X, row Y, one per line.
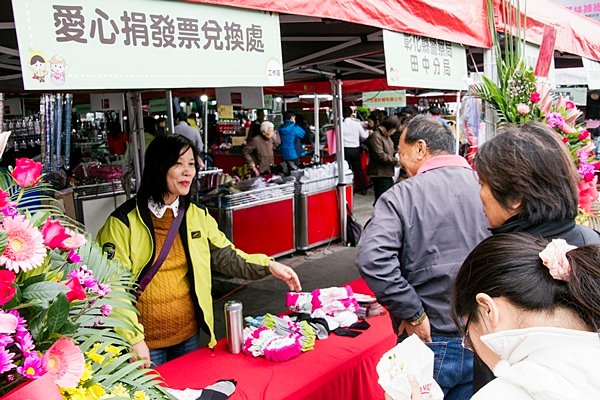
column 266, row 125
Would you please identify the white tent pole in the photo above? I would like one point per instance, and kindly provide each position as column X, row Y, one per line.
column 336, row 86
column 317, row 144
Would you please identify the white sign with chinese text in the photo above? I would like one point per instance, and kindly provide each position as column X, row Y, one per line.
column 592, row 71
column 577, row 94
column 420, row 62
column 143, row 44
column 384, row 98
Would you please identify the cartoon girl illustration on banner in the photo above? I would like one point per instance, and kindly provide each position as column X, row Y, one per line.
column 58, row 65
column 37, row 63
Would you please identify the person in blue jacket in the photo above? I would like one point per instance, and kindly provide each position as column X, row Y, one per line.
column 288, row 132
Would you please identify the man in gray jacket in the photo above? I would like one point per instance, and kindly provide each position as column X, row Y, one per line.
column 420, row 233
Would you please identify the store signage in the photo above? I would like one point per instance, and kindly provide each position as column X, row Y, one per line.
column 420, row 62
column 142, row 44
column 384, row 98
column 245, row 97
column 592, row 71
column 13, row 107
column 225, row 111
column 577, row 94
column 107, row 101
column 590, row 9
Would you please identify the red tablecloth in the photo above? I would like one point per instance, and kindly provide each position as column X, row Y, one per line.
column 338, row 368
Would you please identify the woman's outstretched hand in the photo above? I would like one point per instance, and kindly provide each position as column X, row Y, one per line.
column 286, row 274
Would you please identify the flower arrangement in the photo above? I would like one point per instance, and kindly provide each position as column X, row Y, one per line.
column 520, row 96
column 61, row 301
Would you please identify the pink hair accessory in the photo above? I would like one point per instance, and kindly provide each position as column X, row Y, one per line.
column 554, row 257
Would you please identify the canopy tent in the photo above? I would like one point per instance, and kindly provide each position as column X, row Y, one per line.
column 575, row 34
column 462, row 21
column 454, row 20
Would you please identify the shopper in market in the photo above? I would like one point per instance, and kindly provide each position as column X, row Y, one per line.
column 529, row 183
column 532, row 312
column 353, row 134
column 255, row 127
column 420, row 232
column 289, row 132
column 258, row 152
column 117, row 139
column 176, row 314
column 382, row 160
column 183, row 128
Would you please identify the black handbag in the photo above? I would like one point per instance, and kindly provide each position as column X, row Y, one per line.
column 353, row 229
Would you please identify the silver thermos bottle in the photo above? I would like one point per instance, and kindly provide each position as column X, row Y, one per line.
column 234, row 325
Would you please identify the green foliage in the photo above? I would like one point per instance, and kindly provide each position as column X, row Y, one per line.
column 516, row 81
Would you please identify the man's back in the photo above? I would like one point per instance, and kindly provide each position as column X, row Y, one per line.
column 421, row 231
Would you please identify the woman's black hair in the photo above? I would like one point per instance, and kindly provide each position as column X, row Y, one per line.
column 529, row 164
column 162, row 153
column 509, row 266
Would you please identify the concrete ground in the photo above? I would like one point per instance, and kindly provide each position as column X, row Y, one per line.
column 326, row 266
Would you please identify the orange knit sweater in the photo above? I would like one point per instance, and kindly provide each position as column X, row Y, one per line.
column 166, row 307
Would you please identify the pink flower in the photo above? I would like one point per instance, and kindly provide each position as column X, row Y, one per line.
column 554, row 119
column 73, row 257
column 25, row 342
column 567, row 129
column 106, row 310
column 569, row 105
column 27, row 173
column 8, row 323
column 565, row 139
column 25, row 249
column 64, row 362
column 554, row 257
column 534, row 97
column 587, row 194
column 74, row 241
column 523, row 109
column 54, row 234
column 7, row 289
column 76, row 292
column 7, row 207
column 6, row 360
column 32, row 367
column 583, row 135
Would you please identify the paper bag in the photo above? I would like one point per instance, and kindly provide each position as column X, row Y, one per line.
column 411, row 357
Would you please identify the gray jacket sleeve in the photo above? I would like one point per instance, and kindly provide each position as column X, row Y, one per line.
column 378, row 261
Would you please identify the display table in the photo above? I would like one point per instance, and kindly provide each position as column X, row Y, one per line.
column 259, row 221
column 338, row 368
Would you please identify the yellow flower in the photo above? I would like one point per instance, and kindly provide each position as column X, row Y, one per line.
column 120, row 391
column 93, row 354
column 95, row 392
column 87, row 372
column 139, row 395
column 112, row 349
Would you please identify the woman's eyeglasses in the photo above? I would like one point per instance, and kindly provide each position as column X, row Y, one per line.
column 466, row 340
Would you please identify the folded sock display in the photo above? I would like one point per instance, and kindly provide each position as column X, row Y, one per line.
column 329, row 300
column 278, row 338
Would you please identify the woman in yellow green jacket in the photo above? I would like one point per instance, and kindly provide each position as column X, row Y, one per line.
column 176, row 304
